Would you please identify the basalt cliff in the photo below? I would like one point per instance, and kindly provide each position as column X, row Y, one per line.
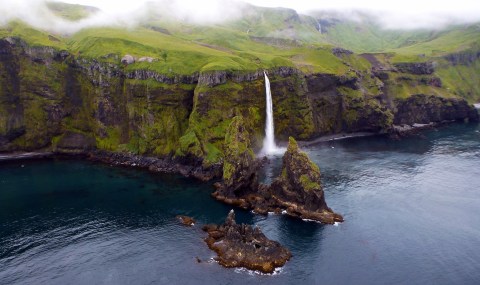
column 54, row 100
column 163, row 96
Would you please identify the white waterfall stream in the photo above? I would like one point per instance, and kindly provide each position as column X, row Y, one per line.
column 269, row 146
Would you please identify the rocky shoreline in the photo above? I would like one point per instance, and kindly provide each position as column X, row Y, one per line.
column 164, row 165
column 161, row 165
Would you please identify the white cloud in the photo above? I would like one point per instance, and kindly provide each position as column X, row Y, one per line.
column 391, row 14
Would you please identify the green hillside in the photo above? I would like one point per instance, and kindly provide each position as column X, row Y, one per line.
column 263, row 38
column 71, row 11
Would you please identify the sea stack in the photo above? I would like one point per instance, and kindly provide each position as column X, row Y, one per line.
column 245, row 246
column 299, row 188
column 297, row 191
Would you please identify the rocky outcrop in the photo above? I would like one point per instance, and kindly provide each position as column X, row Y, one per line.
column 99, row 73
column 297, row 191
column 415, row 67
column 128, row 59
column 333, row 112
column 467, row 57
column 142, row 74
column 423, row 109
column 339, row 52
column 214, row 78
column 245, row 246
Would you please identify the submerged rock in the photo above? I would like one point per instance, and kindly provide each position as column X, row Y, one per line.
column 245, row 246
column 186, row 220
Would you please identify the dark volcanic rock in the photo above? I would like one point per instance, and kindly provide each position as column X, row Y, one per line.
column 244, row 246
column 415, row 67
column 423, row 109
column 464, row 58
column 339, row 52
column 155, row 164
column 185, row 220
column 298, row 190
column 72, row 141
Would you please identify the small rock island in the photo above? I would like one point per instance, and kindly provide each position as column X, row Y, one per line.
column 244, row 246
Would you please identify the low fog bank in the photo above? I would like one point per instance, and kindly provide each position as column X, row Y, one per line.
column 407, row 14
column 121, row 14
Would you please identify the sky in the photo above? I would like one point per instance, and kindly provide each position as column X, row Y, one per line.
column 405, row 14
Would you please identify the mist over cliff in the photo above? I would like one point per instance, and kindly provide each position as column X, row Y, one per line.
column 391, row 15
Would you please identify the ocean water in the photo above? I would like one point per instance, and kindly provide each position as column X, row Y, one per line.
column 411, row 208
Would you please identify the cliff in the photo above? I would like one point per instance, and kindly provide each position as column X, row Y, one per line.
column 52, row 98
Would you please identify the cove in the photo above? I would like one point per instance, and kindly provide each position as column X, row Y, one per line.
column 410, row 207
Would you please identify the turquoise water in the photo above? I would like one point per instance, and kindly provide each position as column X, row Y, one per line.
column 412, row 211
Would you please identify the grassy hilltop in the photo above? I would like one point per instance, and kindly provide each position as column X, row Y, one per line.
column 263, row 38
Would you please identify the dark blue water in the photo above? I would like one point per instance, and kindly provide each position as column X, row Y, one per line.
column 412, row 211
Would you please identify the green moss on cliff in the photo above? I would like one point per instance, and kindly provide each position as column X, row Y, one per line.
column 190, row 144
column 238, row 152
column 292, row 109
column 299, row 169
column 157, row 115
column 212, row 113
column 111, row 141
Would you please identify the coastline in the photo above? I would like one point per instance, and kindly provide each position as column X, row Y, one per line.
column 193, row 168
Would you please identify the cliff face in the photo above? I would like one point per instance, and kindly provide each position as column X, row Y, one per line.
column 52, row 99
column 424, row 109
column 43, row 96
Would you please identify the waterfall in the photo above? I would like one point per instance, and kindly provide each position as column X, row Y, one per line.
column 269, row 146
